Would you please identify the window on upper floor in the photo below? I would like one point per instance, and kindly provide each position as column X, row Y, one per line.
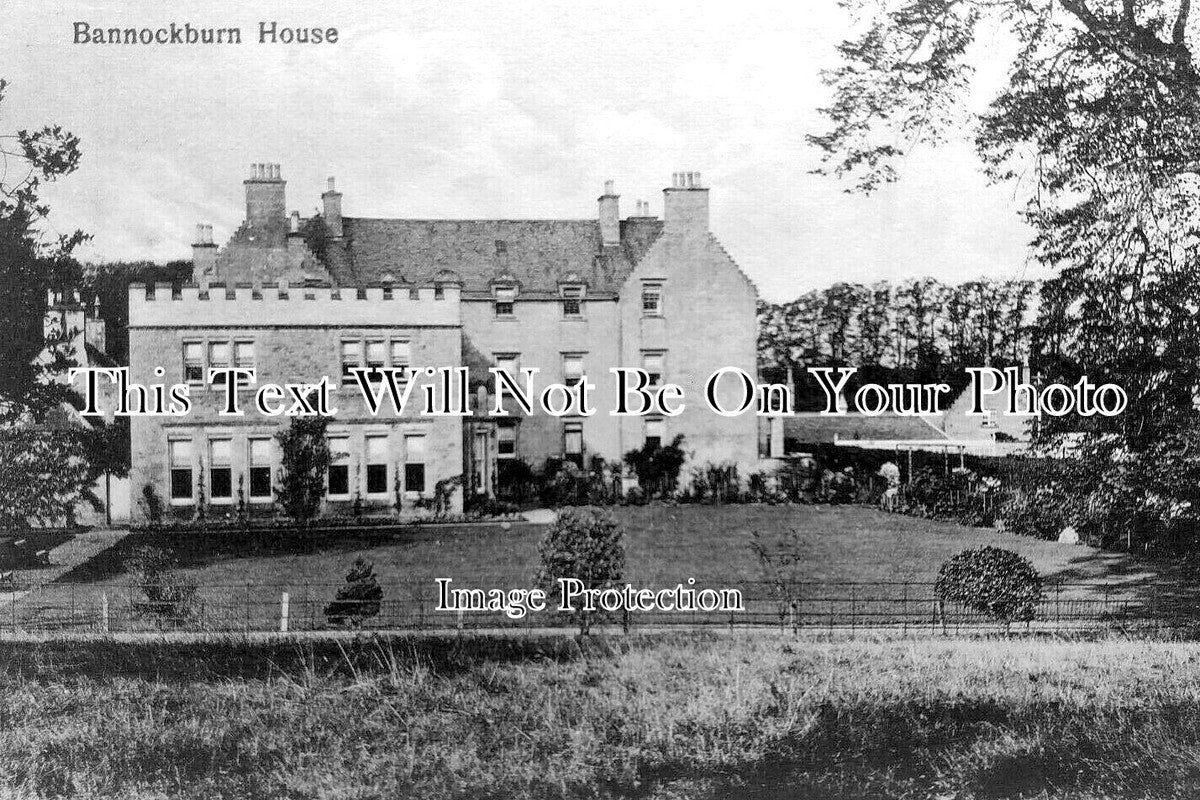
column 572, row 301
column 652, row 293
column 218, row 358
column 572, row 368
column 402, row 356
column 193, row 362
column 351, row 355
column 505, row 300
column 653, row 363
column 376, row 361
column 508, row 363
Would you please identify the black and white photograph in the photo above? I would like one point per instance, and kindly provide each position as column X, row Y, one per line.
column 600, row 399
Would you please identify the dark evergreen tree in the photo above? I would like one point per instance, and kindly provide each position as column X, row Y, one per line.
column 359, row 600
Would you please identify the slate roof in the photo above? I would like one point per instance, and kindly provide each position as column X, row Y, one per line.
column 538, row 253
column 814, row 428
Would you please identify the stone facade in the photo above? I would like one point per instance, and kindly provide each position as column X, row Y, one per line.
column 385, row 464
column 563, row 296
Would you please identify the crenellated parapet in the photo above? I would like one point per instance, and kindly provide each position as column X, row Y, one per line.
column 292, row 304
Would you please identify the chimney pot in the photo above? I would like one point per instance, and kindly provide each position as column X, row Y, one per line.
column 608, row 187
column 331, row 189
column 295, row 223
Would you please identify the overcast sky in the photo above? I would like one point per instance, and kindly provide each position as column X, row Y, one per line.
column 490, row 109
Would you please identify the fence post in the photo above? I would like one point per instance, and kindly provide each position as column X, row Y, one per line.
column 104, row 612
column 853, row 609
column 247, row 608
column 458, row 622
column 904, row 608
column 283, row 613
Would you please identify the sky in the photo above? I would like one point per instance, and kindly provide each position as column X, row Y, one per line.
column 497, row 109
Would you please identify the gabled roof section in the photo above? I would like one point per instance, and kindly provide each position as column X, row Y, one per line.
column 538, row 253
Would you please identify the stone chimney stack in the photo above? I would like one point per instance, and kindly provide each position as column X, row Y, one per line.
column 333, row 210
column 265, row 202
column 685, row 204
column 610, row 217
column 204, row 252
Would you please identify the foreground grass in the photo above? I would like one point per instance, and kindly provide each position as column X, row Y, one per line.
column 676, row 717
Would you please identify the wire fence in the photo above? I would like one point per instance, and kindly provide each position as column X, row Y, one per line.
column 417, row 605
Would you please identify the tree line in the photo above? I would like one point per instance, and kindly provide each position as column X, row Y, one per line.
column 919, row 330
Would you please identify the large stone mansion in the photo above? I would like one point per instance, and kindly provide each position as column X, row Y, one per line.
column 298, row 298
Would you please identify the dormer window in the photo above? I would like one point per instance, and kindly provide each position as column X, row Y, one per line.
column 572, row 301
column 505, row 298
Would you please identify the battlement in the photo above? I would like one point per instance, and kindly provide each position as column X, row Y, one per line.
column 298, row 304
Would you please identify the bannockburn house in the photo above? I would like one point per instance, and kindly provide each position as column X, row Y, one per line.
column 299, row 298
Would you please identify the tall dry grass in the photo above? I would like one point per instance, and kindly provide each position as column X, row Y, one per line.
column 695, row 716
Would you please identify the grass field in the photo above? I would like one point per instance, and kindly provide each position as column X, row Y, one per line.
column 664, row 544
column 680, row 717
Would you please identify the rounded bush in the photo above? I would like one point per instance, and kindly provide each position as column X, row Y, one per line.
column 993, row 581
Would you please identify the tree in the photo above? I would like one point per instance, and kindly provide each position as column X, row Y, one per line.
column 304, row 460
column 30, row 266
column 43, row 474
column 585, row 544
column 657, row 466
column 999, row 583
column 360, row 599
column 1101, row 118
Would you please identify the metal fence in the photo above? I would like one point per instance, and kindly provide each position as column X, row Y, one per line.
column 414, row 606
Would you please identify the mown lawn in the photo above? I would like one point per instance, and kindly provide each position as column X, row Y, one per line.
column 664, row 544
column 686, row 716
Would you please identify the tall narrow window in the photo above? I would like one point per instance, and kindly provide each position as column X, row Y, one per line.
column 220, row 471
column 652, row 299
column 243, row 358
column 351, row 358
column 180, row 455
column 572, row 368
column 414, row 464
column 375, row 361
column 652, row 363
column 260, row 470
column 573, row 443
column 508, row 363
column 401, row 357
column 506, row 439
column 243, row 355
column 339, row 468
column 572, row 301
column 218, row 358
column 377, row 471
column 506, row 298
column 193, row 362
column 654, row 432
